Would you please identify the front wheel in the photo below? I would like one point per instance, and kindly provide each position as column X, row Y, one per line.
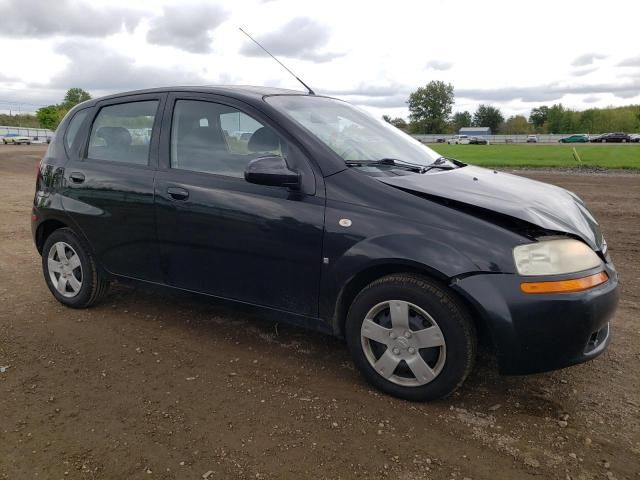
column 70, row 270
column 410, row 337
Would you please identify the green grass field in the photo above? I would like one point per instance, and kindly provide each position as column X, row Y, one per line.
column 601, row 156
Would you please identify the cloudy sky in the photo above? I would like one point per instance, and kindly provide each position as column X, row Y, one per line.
column 515, row 55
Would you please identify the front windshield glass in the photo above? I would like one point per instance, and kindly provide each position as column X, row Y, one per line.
column 352, row 133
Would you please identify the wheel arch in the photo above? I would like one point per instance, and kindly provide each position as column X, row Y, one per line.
column 372, row 273
column 45, row 229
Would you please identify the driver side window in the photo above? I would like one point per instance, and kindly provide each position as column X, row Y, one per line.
column 214, row 138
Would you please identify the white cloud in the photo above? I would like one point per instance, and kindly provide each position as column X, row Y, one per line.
column 439, row 65
column 587, row 59
column 373, row 56
column 186, row 28
column 301, row 38
column 37, row 19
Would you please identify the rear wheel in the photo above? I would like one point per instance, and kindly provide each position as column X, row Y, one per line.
column 70, row 270
column 410, row 337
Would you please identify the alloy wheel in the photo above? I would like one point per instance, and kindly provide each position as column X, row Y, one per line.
column 403, row 343
column 65, row 269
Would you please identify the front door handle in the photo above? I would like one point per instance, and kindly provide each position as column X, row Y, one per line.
column 76, row 177
column 178, row 193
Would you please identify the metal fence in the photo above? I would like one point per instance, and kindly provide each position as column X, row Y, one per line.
column 542, row 138
column 33, row 133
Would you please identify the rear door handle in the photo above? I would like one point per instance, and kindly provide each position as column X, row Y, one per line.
column 178, row 193
column 76, row 177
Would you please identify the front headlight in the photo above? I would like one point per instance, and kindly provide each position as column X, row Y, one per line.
column 554, row 257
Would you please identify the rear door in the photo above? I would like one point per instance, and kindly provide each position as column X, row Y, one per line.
column 109, row 184
column 224, row 236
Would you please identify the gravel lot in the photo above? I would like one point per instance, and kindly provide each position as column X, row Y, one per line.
column 156, row 384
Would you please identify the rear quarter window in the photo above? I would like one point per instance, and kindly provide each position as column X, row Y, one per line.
column 74, row 126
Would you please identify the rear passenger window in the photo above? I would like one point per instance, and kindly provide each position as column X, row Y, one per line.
column 122, row 133
column 215, row 138
column 74, row 126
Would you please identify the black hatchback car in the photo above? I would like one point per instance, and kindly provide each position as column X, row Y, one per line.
column 618, row 137
column 332, row 220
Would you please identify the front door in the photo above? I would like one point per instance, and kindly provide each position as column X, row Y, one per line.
column 221, row 235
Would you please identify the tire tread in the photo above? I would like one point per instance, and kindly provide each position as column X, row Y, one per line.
column 458, row 310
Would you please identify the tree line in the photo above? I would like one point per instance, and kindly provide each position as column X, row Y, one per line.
column 430, row 111
column 21, row 120
column 50, row 116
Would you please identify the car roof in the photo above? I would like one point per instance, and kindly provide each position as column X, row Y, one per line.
column 248, row 92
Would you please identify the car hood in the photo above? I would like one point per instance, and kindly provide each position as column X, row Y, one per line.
column 541, row 204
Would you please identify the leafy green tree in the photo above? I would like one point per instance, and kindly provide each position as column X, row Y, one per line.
column 430, row 106
column 399, row 123
column 538, row 116
column 49, row 116
column 555, row 119
column 396, row 122
column 461, row 120
column 74, row 96
column 516, row 125
column 488, row 116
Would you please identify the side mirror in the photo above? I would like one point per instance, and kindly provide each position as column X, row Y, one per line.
column 271, row 171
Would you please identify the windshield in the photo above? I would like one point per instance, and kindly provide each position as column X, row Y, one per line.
column 352, row 133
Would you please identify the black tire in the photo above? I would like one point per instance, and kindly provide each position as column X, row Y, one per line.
column 93, row 284
column 443, row 307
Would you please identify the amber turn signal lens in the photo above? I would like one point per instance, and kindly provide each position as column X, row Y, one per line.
column 565, row 286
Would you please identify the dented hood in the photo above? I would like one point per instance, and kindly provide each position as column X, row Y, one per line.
column 544, row 205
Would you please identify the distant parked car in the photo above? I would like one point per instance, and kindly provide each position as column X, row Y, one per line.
column 635, row 137
column 441, row 140
column 617, row 137
column 478, row 141
column 459, row 140
column 575, row 139
column 532, row 139
column 15, row 139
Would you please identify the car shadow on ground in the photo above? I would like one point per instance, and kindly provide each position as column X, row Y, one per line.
column 221, row 320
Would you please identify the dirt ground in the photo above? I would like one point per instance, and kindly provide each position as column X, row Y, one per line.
column 156, row 384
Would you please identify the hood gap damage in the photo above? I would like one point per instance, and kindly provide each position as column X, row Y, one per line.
column 515, row 225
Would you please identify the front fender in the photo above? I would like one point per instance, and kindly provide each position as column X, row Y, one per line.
column 387, row 253
column 416, row 250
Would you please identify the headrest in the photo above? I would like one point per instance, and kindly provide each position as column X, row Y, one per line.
column 115, row 136
column 263, row 140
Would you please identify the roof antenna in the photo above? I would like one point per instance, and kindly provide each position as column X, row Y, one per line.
column 311, row 92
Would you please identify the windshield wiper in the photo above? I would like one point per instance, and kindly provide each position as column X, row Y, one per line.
column 391, row 162
column 444, row 163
